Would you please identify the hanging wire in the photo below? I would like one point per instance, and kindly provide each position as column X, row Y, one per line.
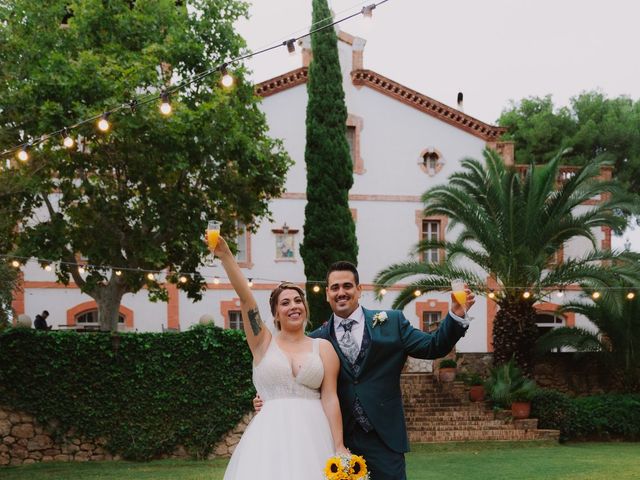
column 146, row 99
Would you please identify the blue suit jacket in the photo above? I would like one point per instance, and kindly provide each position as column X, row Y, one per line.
column 377, row 384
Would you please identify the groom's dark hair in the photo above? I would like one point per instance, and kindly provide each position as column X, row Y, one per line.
column 343, row 266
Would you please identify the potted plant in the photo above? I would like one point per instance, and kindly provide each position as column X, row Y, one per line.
column 476, row 387
column 507, row 385
column 521, row 400
column 447, row 370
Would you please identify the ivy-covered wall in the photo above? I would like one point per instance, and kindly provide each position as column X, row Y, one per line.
column 144, row 393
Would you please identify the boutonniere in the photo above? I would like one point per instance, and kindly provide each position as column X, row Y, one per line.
column 379, row 318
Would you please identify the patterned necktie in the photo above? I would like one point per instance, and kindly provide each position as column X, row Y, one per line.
column 347, row 344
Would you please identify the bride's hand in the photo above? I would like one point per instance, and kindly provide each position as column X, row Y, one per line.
column 342, row 450
column 222, row 248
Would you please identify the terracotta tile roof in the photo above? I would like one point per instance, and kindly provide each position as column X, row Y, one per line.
column 386, row 86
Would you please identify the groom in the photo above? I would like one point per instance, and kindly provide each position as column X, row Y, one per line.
column 373, row 346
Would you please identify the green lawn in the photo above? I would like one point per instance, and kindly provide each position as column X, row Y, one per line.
column 478, row 461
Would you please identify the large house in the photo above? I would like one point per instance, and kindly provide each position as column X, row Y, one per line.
column 402, row 143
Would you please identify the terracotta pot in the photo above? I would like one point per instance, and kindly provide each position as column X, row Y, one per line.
column 476, row 393
column 520, row 410
column 447, row 374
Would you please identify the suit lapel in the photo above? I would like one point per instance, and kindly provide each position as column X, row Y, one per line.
column 368, row 325
column 344, row 361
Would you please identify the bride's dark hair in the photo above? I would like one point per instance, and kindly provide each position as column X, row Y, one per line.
column 275, row 295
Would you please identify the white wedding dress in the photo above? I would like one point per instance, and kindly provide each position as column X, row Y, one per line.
column 290, row 438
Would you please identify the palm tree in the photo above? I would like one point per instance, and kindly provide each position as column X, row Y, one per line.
column 618, row 320
column 513, row 221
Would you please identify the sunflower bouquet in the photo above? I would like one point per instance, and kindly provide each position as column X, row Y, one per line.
column 346, row 467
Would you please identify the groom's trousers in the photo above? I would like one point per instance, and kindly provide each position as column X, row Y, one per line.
column 382, row 462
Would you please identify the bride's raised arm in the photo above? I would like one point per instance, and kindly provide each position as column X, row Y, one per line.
column 258, row 335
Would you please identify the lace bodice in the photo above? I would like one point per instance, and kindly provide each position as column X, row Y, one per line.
column 273, row 376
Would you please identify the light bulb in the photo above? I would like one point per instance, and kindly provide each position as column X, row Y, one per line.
column 250, row 283
column 492, row 295
column 103, row 123
column 291, row 46
column 631, row 296
column 227, row 80
column 526, row 295
column 560, row 294
column 23, row 155
column 81, row 270
column 151, row 276
column 15, row 264
column 595, row 295
column 367, row 12
column 47, row 268
column 383, row 291
column 183, row 279
column 417, row 293
column 216, row 280
column 118, row 272
column 67, row 140
column 316, row 288
column 165, row 106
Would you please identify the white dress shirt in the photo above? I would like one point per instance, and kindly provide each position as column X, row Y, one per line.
column 357, row 330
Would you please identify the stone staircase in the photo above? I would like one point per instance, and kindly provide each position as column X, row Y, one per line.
column 442, row 412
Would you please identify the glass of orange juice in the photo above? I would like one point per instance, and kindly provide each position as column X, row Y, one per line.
column 459, row 293
column 213, row 233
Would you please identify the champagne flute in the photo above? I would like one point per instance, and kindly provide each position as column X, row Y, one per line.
column 459, row 293
column 213, row 233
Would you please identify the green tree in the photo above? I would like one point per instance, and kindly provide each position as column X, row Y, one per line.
column 617, row 339
column 329, row 230
column 137, row 197
column 512, row 223
column 593, row 126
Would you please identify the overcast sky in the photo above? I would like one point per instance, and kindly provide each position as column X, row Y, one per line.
column 493, row 51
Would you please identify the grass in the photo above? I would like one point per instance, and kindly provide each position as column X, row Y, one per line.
column 480, row 461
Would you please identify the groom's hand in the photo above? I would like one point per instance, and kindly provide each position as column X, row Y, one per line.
column 257, row 403
column 461, row 310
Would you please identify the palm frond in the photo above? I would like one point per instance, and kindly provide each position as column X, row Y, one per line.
column 579, row 339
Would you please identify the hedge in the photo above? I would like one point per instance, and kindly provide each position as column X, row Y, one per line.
column 145, row 393
column 603, row 417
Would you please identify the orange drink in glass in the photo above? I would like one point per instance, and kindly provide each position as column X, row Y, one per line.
column 459, row 293
column 213, row 233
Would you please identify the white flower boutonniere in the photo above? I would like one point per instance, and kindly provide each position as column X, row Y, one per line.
column 379, row 318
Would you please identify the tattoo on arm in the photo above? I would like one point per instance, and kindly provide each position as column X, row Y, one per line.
column 255, row 321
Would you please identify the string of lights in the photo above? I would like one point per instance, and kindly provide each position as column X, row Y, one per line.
column 102, row 119
column 183, row 277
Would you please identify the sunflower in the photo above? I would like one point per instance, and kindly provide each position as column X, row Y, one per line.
column 357, row 468
column 333, row 469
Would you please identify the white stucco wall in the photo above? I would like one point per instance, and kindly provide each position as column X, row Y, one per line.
column 392, row 138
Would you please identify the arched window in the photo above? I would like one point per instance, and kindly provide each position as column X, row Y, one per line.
column 430, row 161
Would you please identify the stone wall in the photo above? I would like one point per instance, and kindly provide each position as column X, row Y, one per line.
column 24, row 440
column 574, row 375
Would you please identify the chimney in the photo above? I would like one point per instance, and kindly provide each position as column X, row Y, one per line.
column 460, row 103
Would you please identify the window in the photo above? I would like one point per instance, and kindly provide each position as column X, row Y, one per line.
column 430, row 321
column 242, row 242
column 431, row 232
column 547, row 322
column 430, row 161
column 351, row 140
column 91, row 318
column 235, row 320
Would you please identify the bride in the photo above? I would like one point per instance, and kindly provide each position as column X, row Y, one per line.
column 300, row 425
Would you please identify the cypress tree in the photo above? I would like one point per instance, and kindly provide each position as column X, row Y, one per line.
column 329, row 230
